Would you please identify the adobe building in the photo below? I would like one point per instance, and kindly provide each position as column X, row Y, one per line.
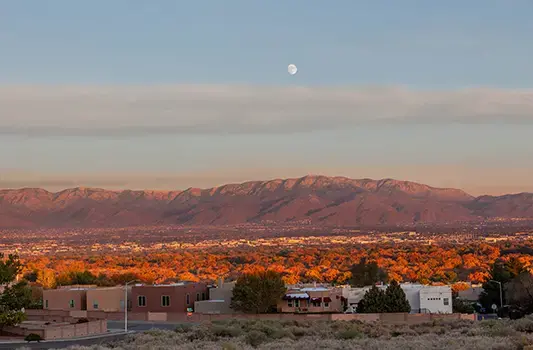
column 110, row 299
column 219, row 300
column 312, row 300
column 177, row 297
column 65, row 299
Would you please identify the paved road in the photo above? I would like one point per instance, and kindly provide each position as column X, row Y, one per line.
column 64, row 344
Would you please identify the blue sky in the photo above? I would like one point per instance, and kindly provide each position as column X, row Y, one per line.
column 420, row 46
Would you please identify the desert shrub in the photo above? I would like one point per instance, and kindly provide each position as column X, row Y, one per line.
column 229, row 346
column 183, row 328
column 282, row 333
column 298, row 331
column 33, row 337
column 523, row 325
column 351, row 333
column 256, row 338
column 225, row 331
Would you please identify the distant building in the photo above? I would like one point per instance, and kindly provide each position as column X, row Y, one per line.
column 312, row 300
column 422, row 298
column 471, row 294
column 219, row 300
column 65, row 299
column 177, row 297
column 109, row 299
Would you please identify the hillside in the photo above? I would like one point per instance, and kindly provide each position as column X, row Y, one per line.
column 317, row 199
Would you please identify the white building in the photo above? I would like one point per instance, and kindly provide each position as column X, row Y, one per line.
column 422, row 298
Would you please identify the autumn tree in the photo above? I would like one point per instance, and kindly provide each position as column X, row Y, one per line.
column 373, row 301
column 395, row 299
column 258, row 292
column 366, row 274
column 15, row 297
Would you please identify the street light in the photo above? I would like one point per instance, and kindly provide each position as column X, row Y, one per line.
column 501, row 297
column 126, row 305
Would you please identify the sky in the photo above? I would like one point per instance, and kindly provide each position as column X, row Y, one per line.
column 177, row 94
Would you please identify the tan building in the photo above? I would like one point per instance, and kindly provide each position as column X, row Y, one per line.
column 65, row 299
column 109, row 299
column 312, row 300
column 219, row 300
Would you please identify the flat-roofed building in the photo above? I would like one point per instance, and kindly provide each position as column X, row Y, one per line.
column 65, row 299
column 110, row 299
column 177, row 297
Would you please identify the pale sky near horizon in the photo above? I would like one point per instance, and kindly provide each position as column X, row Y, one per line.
column 174, row 94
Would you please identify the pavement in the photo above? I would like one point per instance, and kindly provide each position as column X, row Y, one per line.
column 112, row 335
column 142, row 325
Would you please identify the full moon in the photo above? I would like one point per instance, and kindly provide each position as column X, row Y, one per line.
column 292, row 69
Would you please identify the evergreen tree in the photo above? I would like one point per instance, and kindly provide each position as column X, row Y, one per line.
column 366, row 274
column 258, row 292
column 395, row 299
column 372, row 302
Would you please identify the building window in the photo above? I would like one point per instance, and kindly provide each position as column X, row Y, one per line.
column 188, row 299
column 46, row 303
column 141, row 300
column 165, row 300
column 95, row 304
column 446, row 301
column 197, row 296
column 203, row 296
column 326, row 304
column 297, row 303
column 316, row 303
column 289, row 303
column 71, row 303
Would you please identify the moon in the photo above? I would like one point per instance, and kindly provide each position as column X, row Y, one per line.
column 292, row 69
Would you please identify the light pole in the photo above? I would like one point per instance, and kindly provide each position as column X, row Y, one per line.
column 126, row 305
column 501, row 295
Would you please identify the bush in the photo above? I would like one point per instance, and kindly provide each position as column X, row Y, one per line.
column 256, row 338
column 183, row 328
column 222, row 331
column 351, row 333
column 33, row 337
column 524, row 325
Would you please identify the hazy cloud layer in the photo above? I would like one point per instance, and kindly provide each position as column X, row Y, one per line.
column 131, row 111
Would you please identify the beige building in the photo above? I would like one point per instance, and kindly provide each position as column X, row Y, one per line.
column 312, row 300
column 107, row 299
column 65, row 299
column 219, row 300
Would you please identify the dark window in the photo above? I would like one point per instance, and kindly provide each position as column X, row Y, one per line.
column 203, row 296
column 446, row 301
column 165, row 300
column 95, row 304
column 46, row 303
column 197, row 296
column 71, row 303
column 141, row 300
column 188, row 299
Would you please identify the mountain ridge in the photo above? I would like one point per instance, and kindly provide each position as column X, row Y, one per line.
column 338, row 201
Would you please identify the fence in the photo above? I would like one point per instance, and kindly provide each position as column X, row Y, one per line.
column 390, row 318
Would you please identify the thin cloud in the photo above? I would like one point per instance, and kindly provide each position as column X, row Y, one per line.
column 211, row 109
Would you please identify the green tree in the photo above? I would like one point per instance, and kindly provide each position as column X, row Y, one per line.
column 373, row 302
column 395, row 299
column 258, row 292
column 10, row 306
column 366, row 274
column 519, row 291
column 10, row 268
column 502, row 272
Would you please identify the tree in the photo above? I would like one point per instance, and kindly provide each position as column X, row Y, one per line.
column 46, row 278
column 366, row 274
column 258, row 292
column 395, row 299
column 10, row 268
column 15, row 297
column 502, row 272
column 373, row 302
column 520, row 292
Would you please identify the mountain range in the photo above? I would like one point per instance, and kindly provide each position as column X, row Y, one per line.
column 334, row 201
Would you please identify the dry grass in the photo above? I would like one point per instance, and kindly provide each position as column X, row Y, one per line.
column 239, row 334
